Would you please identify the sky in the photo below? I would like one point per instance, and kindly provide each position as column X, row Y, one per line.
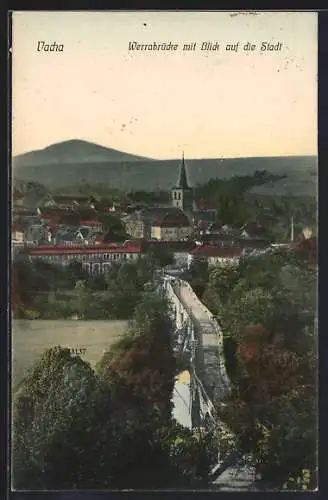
column 158, row 104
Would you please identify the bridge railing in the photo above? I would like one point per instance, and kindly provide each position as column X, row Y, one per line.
column 208, row 413
column 216, row 330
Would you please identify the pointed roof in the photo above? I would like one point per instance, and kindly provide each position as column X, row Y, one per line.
column 182, row 182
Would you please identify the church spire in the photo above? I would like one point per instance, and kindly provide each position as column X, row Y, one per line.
column 182, row 183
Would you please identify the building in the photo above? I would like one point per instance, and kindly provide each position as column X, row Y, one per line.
column 147, row 222
column 17, row 235
column 94, row 225
column 137, row 225
column 58, row 216
column 306, row 246
column 181, row 194
column 172, row 227
column 95, row 259
column 252, row 229
column 203, row 219
column 38, row 234
column 216, row 256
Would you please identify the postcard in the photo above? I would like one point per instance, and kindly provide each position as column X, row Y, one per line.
column 164, row 251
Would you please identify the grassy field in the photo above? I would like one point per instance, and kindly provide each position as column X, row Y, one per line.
column 31, row 337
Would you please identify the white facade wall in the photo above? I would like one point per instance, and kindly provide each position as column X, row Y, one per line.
column 171, row 233
column 223, row 261
column 95, row 263
column 213, row 261
column 181, row 258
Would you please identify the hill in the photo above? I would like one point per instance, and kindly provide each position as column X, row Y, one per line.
column 73, row 151
column 79, row 161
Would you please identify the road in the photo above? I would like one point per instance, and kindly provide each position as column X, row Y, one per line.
column 239, row 476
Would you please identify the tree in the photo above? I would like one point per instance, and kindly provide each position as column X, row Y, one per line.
column 81, row 301
column 144, row 360
column 51, row 425
column 286, row 450
column 76, row 273
column 112, row 223
column 221, row 282
column 77, row 429
column 161, row 257
column 267, row 311
column 198, row 276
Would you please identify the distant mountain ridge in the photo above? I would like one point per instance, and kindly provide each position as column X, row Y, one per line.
column 73, row 151
column 80, row 161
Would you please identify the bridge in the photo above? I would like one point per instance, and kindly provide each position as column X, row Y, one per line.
column 198, row 339
column 199, row 336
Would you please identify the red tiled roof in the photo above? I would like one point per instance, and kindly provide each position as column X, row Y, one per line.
column 172, row 220
column 307, row 247
column 54, row 211
column 17, row 195
column 252, row 227
column 16, row 227
column 128, row 247
column 51, row 218
column 205, row 205
column 213, row 251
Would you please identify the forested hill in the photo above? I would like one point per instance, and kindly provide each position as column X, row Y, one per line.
column 73, row 151
column 65, row 163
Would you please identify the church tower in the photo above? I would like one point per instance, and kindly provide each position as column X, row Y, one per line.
column 181, row 194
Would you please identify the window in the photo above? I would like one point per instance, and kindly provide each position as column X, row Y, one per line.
column 96, row 268
column 174, row 195
column 106, row 267
column 179, row 196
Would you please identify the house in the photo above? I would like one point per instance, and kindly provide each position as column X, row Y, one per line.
column 203, row 219
column 17, row 234
column 219, row 238
column 225, row 236
column 252, row 229
column 17, row 197
column 25, row 212
column 95, row 258
column 83, row 235
column 64, row 237
column 58, row 216
column 306, row 246
column 203, row 205
column 95, row 225
column 139, row 223
column 215, row 255
column 38, row 234
column 172, row 227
